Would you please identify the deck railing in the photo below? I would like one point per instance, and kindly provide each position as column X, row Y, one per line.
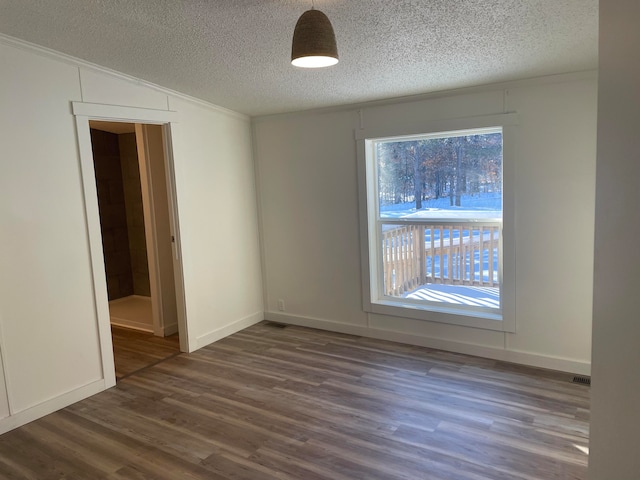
column 417, row 253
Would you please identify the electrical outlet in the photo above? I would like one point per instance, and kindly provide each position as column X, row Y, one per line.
column 281, row 305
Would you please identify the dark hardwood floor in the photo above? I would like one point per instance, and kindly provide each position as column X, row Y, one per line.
column 295, row 403
column 134, row 350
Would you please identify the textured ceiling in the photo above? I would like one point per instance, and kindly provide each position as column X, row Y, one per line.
column 236, row 53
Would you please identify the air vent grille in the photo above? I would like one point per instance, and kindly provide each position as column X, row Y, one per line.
column 581, row 379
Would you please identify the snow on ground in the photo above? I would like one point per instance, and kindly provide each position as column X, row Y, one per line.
column 480, row 206
column 483, row 205
column 458, row 294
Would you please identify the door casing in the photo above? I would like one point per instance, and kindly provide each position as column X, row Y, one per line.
column 84, row 112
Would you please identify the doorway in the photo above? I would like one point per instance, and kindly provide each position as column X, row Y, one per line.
column 137, row 242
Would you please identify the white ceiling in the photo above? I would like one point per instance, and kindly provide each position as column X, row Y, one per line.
column 236, row 53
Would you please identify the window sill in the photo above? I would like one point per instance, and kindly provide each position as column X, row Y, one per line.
column 451, row 315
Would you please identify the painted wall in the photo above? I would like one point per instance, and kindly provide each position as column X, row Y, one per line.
column 218, row 222
column 113, row 213
column 616, row 329
column 135, row 213
column 309, row 212
column 117, row 172
column 49, row 334
column 50, row 339
column 4, row 401
column 152, row 161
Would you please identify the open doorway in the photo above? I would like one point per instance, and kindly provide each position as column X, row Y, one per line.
column 134, row 208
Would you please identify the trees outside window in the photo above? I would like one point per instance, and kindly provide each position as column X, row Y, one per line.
column 423, row 169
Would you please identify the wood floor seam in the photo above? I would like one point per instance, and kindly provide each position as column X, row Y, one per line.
column 146, row 367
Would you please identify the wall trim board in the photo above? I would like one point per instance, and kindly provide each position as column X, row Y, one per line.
column 487, row 87
column 94, row 241
column 124, row 299
column 79, row 63
column 133, row 325
column 440, row 125
column 220, row 333
column 49, row 406
column 167, row 331
column 118, row 112
column 511, row 356
column 170, row 329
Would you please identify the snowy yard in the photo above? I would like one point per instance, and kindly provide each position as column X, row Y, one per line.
column 458, row 295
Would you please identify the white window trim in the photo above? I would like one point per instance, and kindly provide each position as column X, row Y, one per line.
column 504, row 320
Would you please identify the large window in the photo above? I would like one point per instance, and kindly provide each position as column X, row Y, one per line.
column 434, row 210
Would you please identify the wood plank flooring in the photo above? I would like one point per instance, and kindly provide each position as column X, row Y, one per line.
column 134, row 350
column 296, row 403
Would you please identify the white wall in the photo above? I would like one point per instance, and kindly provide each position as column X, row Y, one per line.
column 50, row 339
column 157, row 213
column 4, row 401
column 309, row 211
column 49, row 342
column 614, row 451
column 218, row 222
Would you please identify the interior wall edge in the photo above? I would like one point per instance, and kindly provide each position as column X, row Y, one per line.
column 511, row 356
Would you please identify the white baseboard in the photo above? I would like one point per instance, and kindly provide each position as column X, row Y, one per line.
column 121, row 322
column 227, row 330
column 49, row 406
column 127, row 323
column 512, row 356
column 170, row 329
column 124, row 299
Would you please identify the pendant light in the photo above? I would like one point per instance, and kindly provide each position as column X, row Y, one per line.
column 314, row 43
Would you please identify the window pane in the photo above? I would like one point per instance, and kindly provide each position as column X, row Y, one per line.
column 450, row 187
column 453, row 176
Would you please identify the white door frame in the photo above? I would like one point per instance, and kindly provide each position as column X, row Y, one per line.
column 84, row 112
column 151, row 234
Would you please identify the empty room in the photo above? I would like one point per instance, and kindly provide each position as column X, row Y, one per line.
column 319, row 240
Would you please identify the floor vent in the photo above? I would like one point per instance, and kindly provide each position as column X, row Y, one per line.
column 276, row 325
column 582, row 380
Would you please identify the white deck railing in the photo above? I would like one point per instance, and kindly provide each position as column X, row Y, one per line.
column 452, row 253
